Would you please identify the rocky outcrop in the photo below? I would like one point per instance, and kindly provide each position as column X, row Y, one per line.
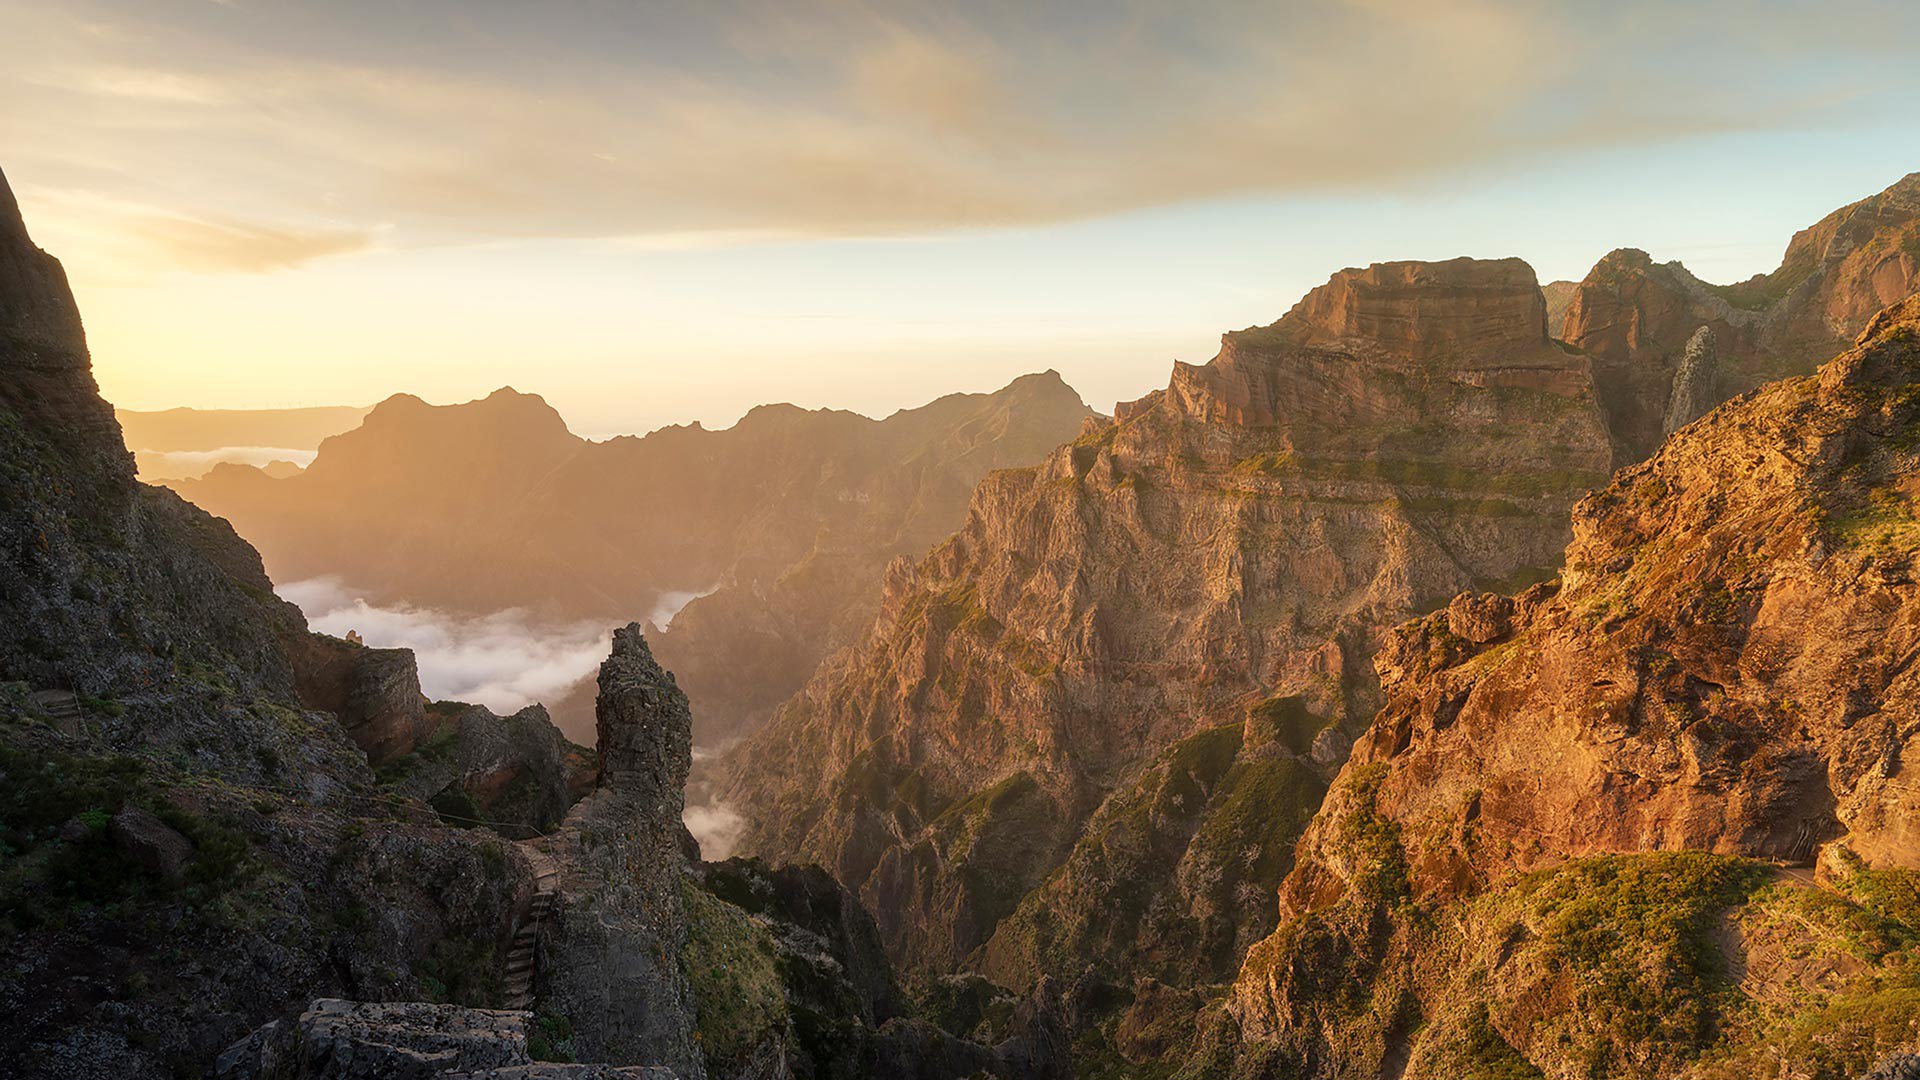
column 1694, row 382
column 1720, row 675
column 375, row 692
column 514, row 774
column 1638, row 320
column 786, row 520
column 1241, row 538
column 610, row 950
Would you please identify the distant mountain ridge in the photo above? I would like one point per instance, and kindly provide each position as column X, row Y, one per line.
column 786, row 519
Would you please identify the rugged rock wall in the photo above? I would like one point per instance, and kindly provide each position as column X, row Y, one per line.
column 515, row 774
column 1238, row 540
column 375, row 692
column 1722, row 675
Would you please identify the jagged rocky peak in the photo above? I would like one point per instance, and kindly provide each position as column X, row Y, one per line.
column 1635, row 317
column 610, row 956
column 1482, row 322
column 645, row 730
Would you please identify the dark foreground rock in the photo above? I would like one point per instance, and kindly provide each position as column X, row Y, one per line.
column 344, row 1040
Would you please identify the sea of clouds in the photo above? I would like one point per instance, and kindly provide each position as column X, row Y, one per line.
column 505, row 660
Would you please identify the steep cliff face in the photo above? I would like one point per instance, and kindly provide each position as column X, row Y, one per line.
column 1722, row 674
column 1636, row 318
column 189, row 849
column 787, row 520
column 1236, row 541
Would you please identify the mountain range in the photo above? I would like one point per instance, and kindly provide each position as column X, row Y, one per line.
column 779, row 526
column 1427, row 686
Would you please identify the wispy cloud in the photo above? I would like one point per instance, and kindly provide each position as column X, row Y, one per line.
column 695, row 125
column 240, row 247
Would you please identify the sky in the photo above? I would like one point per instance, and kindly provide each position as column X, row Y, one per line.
column 654, row 213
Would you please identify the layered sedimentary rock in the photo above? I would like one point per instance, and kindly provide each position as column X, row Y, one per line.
column 1637, row 318
column 1721, row 675
column 610, row 951
column 787, row 520
column 1235, row 542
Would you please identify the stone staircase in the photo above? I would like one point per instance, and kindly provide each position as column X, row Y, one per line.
column 60, row 706
column 522, row 955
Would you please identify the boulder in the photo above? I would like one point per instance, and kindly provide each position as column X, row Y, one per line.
column 150, row 842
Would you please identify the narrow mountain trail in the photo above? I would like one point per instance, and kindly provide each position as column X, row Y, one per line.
column 522, row 956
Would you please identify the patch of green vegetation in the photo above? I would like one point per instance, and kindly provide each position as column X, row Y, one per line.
column 456, row 805
column 1260, row 809
column 1281, row 463
column 730, row 962
column 1434, row 474
column 1486, row 1055
column 1629, row 939
column 1887, row 525
column 461, row 972
column 990, row 801
column 1370, row 842
column 47, row 878
column 1288, row 719
column 434, row 748
column 102, row 706
column 552, row 1036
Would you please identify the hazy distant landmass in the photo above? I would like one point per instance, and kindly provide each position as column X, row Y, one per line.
column 211, row 429
column 184, row 443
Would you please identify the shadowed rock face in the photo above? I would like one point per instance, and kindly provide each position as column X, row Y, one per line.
column 375, row 692
column 247, row 862
column 1723, row 667
column 105, row 585
column 46, row 378
column 1240, row 537
column 517, row 774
